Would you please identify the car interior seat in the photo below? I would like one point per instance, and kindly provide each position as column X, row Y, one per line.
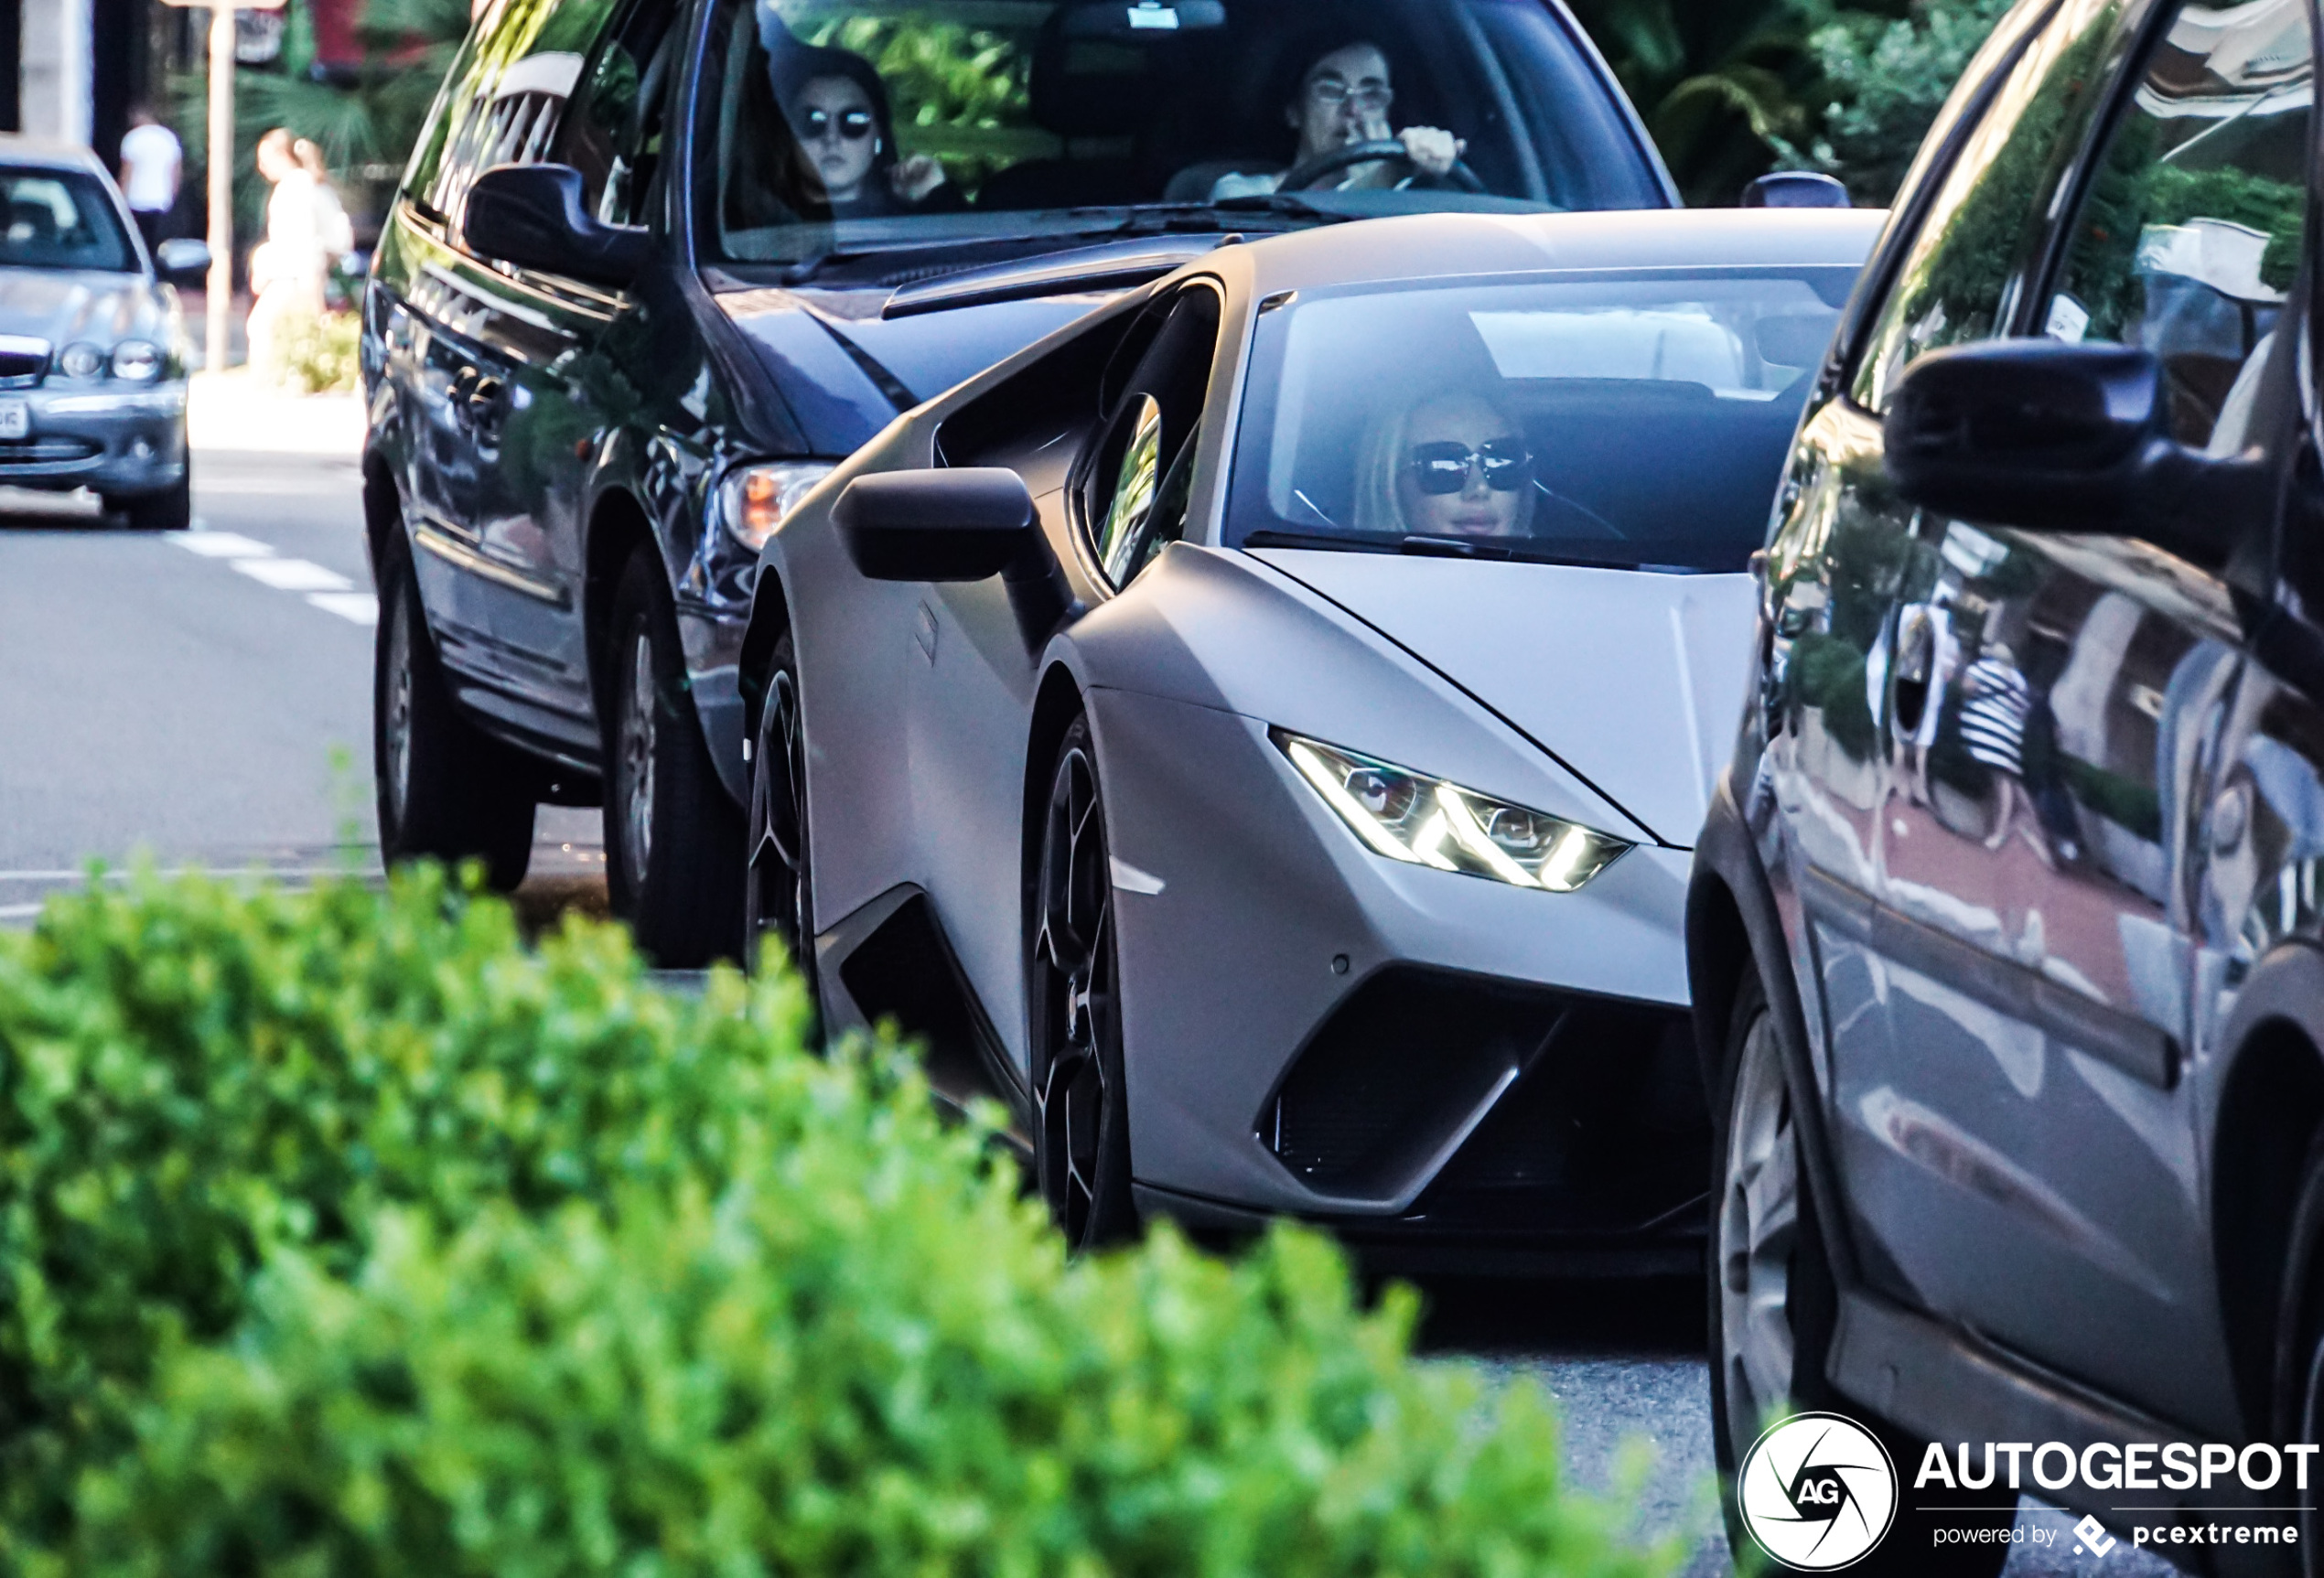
column 1096, row 96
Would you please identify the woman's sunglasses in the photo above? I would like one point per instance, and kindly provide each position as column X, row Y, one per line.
column 1443, row 467
column 853, row 125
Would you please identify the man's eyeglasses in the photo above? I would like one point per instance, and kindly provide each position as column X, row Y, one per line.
column 1441, row 469
column 854, row 125
column 1370, row 99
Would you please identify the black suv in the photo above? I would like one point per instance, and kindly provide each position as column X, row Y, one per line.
column 2004, row 926
column 658, row 264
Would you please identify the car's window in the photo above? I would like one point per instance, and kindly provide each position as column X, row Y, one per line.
column 505, row 98
column 839, row 124
column 1138, row 470
column 1982, row 229
column 2188, row 235
column 59, row 219
column 613, row 128
column 1635, row 421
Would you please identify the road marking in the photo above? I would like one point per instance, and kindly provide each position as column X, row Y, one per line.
column 222, row 545
column 20, row 911
column 325, row 589
column 362, row 607
column 292, row 574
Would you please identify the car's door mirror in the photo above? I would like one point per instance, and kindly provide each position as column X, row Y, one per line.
column 1795, row 189
column 182, row 261
column 531, row 216
column 957, row 524
column 2049, row 436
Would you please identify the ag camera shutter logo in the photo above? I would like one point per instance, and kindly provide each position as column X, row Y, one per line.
column 1818, row 1492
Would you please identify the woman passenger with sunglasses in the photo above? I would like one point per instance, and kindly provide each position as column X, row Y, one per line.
column 837, row 108
column 1452, row 465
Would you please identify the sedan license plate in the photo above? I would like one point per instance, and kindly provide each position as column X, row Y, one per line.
column 16, row 419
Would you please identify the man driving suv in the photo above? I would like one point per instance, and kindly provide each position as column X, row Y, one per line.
column 1341, row 101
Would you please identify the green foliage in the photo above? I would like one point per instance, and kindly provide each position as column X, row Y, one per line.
column 317, row 353
column 345, row 1235
column 1883, row 82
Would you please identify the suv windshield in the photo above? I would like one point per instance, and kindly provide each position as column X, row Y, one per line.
column 1634, row 421
column 860, row 125
column 59, row 219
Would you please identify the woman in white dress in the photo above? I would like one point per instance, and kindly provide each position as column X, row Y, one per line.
column 286, row 270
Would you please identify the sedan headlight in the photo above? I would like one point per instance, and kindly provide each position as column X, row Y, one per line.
column 137, row 360
column 1425, row 820
column 82, row 359
column 757, row 499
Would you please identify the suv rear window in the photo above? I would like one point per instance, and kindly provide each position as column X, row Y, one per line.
column 846, row 124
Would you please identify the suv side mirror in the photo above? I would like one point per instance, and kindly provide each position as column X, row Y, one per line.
column 962, row 524
column 182, row 261
column 1795, row 189
column 530, row 216
column 2047, row 436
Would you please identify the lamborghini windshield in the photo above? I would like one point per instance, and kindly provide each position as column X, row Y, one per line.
column 850, row 125
column 1633, row 421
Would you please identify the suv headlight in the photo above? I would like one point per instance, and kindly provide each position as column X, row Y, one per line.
column 1425, row 820
column 757, row 499
column 137, row 360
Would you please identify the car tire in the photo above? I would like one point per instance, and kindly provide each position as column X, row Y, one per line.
column 1081, row 1127
column 171, row 510
column 673, row 837
column 1774, row 1305
column 779, row 901
column 2300, row 1348
column 446, row 790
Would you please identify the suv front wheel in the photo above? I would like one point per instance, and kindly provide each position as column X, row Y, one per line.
column 674, row 838
column 1773, row 1305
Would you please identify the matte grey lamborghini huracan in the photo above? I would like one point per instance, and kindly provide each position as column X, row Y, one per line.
column 1258, row 729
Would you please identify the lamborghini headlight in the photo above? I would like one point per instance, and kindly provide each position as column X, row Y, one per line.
column 757, row 499
column 1425, row 820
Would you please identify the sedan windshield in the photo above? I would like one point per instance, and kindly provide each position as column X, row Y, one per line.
column 849, row 125
column 1628, row 420
column 60, row 219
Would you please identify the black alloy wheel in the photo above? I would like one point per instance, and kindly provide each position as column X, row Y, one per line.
column 1774, row 1307
column 778, row 903
column 446, row 790
column 1081, row 1140
column 674, row 836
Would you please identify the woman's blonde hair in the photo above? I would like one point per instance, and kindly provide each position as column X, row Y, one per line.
column 1386, row 448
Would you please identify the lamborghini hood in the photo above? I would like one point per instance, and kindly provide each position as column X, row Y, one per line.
column 1631, row 679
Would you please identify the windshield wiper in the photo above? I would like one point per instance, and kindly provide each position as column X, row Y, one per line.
column 1517, row 551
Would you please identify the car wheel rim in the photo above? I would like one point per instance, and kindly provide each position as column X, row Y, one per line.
column 779, row 842
column 398, row 721
column 1758, row 1228
column 637, row 762
column 1072, row 954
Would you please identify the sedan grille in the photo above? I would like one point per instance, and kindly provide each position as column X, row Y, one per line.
column 23, row 361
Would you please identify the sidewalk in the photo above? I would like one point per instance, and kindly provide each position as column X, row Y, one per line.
column 237, row 411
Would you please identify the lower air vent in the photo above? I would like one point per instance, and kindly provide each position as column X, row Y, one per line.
column 1395, row 1074
column 47, row 452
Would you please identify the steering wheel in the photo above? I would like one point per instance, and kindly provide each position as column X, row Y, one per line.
column 1307, row 172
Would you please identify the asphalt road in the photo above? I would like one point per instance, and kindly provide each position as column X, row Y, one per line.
column 205, row 698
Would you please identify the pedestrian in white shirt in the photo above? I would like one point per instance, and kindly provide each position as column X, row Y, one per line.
column 287, row 269
column 151, row 163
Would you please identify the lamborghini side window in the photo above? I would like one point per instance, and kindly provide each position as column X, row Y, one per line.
column 1137, row 476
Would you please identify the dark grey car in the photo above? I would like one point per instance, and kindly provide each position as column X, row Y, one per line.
column 2004, row 931
column 93, row 365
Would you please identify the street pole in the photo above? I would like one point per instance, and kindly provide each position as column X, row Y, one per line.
column 221, row 182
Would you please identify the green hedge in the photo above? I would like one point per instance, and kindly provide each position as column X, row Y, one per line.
column 343, row 1234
